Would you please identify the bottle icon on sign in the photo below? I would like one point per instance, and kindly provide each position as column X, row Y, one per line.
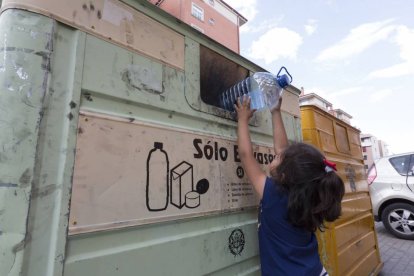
column 157, row 191
column 264, row 89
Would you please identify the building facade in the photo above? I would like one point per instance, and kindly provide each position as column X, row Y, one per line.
column 372, row 149
column 315, row 99
column 342, row 115
column 383, row 147
column 214, row 18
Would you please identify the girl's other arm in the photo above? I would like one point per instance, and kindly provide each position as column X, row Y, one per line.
column 255, row 174
column 280, row 141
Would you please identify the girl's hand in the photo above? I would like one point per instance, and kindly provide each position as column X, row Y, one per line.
column 244, row 113
column 276, row 107
column 275, row 163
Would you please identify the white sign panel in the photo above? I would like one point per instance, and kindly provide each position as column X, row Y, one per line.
column 127, row 173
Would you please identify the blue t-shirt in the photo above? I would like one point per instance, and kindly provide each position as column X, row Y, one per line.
column 284, row 248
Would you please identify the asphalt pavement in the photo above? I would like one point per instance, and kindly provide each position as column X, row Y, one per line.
column 396, row 254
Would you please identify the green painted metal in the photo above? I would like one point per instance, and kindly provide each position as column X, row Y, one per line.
column 51, row 188
column 40, row 90
column 24, row 75
column 188, row 247
column 49, row 72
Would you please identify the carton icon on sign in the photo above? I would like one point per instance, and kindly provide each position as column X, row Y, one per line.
column 181, row 183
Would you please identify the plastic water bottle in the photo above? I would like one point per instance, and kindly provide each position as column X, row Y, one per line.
column 264, row 89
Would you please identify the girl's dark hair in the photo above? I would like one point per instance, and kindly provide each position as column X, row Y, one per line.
column 314, row 195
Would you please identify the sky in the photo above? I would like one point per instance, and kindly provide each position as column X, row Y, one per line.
column 357, row 54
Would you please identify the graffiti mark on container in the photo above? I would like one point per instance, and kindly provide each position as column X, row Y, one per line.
column 236, row 242
column 350, row 175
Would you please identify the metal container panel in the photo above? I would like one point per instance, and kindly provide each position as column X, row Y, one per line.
column 114, row 21
column 349, row 246
column 117, row 128
column 42, row 66
column 66, row 74
column 197, row 246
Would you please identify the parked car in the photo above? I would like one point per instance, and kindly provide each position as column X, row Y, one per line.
column 391, row 184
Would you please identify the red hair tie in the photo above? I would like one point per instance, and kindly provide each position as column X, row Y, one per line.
column 329, row 166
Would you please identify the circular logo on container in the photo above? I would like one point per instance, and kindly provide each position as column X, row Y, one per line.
column 236, row 242
column 240, row 172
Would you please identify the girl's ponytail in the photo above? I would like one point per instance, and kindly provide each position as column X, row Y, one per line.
column 330, row 192
column 315, row 190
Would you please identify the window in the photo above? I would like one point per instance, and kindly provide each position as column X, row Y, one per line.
column 364, row 149
column 366, row 167
column 411, row 167
column 197, row 12
column 211, row 21
column 365, row 157
column 400, row 164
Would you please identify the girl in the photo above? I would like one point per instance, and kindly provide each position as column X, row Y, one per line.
column 304, row 191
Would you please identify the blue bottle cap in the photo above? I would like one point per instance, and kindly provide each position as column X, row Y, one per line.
column 283, row 81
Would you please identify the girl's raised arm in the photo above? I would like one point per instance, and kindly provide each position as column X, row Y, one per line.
column 255, row 174
column 280, row 141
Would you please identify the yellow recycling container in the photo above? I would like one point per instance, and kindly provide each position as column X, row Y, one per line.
column 349, row 246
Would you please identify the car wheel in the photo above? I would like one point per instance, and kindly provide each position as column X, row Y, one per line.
column 398, row 219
